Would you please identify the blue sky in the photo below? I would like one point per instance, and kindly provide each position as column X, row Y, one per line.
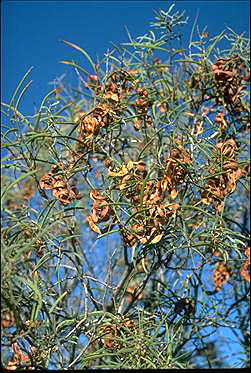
column 32, row 30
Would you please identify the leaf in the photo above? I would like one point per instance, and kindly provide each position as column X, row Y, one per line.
column 82, row 51
column 58, row 301
column 37, row 293
column 11, row 185
column 64, row 324
column 19, row 85
column 76, row 66
column 21, row 95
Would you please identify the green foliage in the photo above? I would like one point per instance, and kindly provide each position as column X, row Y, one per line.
column 125, row 208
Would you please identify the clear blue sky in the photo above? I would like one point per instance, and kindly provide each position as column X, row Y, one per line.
column 32, row 30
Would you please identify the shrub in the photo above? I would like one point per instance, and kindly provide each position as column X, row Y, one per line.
column 125, row 241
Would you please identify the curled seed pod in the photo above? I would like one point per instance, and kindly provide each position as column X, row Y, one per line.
column 108, row 162
column 221, row 275
column 46, row 181
column 60, row 184
column 7, row 319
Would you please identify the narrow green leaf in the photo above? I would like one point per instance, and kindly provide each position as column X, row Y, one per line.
column 219, row 37
column 17, row 181
column 21, row 95
column 82, row 51
column 76, row 66
column 37, row 293
column 19, row 85
column 58, row 301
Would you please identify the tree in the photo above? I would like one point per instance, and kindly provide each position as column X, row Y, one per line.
column 125, row 228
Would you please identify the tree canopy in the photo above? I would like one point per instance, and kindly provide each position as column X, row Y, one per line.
column 125, row 208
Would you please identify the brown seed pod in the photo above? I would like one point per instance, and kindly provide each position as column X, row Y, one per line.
column 221, row 275
column 59, row 185
column 108, row 162
column 46, row 181
column 7, row 319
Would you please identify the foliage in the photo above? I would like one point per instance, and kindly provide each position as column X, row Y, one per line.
column 125, row 240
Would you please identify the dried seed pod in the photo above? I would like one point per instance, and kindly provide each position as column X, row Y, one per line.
column 92, row 225
column 56, row 167
column 12, row 365
column 140, row 166
column 59, row 185
column 93, row 78
column 63, row 197
column 244, row 269
column 74, row 194
column 138, row 124
column 112, row 96
column 108, row 162
column 221, row 275
column 137, row 228
column 7, row 319
column 46, row 181
column 96, row 194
